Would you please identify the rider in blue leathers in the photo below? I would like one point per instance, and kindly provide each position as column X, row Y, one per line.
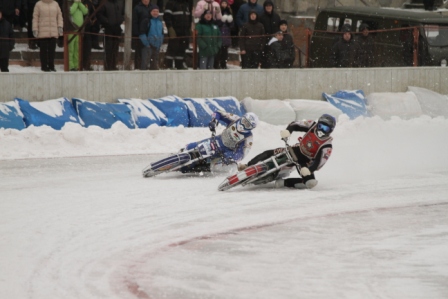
column 232, row 145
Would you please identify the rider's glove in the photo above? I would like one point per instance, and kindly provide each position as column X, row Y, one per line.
column 212, row 125
column 285, row 134
column 304, row 171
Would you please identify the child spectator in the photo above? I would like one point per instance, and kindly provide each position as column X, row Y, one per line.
column 152, row 40
column 225, row 25
column 209, row 40
column 276, row 55
column 6, row 42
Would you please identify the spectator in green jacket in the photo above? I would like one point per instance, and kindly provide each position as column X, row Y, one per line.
column 77, row 12
column 209, row 40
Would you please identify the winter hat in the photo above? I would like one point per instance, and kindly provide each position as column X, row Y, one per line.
column 282, row 22
column 346, row 28
column 152, row 8
column 268, row 2
column 363, row 26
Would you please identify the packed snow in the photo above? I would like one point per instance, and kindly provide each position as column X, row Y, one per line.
column 77, row 220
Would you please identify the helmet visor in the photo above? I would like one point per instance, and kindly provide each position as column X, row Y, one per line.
column 247, row 125
column 324, row 128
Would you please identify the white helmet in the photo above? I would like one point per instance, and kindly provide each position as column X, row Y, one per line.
column 247, row 122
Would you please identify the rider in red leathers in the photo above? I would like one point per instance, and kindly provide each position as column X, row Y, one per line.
column 312, row 151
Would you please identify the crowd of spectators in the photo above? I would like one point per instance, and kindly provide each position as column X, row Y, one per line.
column 254, row 29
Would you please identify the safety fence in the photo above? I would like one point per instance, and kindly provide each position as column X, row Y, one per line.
column 407, row 46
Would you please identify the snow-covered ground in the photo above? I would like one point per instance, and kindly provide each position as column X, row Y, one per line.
column 77, row 220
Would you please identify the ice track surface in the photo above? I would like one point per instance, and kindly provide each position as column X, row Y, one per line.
column 376, row 226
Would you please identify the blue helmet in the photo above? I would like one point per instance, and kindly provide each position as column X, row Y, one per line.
column 247, row 122
column 325, row 125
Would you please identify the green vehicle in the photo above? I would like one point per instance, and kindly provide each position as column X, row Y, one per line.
column 393, row 32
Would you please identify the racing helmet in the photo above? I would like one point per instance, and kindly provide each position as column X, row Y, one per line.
column 247, row 122
column 325, row 125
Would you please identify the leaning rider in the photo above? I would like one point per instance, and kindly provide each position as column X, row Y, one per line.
column 232, row 145
column 312, row 151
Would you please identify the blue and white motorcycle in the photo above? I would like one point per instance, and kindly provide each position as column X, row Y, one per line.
column 202, row 158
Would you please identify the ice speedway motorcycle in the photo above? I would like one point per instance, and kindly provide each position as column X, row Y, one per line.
column 198, row 159
column 276, row 167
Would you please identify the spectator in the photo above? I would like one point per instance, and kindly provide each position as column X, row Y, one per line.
column 89, row 35
column 209, row 40
column 271, row 24
column 177, row 19
column 225, row 26
column 252, row 42
column 47, row 27
column 6, row 43
column 366, row 47
column 287, row 44
column 210, row 5
column 235, row 6
column 152, row 40
column 270, row 19
column 141, row 15
column 77, row 13
column 345, row 51
column 242, row 16
column 20, row 20
column 276, row 55
column 10, row 9
column 32, row 44
column 95, row 29
column 111, row 17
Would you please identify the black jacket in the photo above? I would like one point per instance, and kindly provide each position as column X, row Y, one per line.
column 140, row 17
column 252, row 36
column 270, row 23
column 276, row 55
column 6, row 45
column 345, row 53
column 111, row 16
column 366, row 50
column 288, row 46
column 177, row 14
column 8, row 7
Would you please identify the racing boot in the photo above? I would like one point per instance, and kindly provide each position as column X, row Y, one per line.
column 280, row 183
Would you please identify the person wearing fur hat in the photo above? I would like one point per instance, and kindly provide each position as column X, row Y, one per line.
column 209, row 40
column 252, row 42
column 6, row 43
column 345, row 51
column 287, row 44
column 151, row 40
column 366, row 47
column 225, row 25
column 210, row 5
